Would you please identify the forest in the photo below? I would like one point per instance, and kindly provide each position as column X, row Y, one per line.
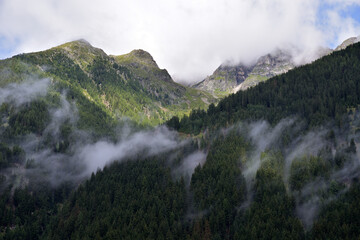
column 320, row 92
column 278, row 161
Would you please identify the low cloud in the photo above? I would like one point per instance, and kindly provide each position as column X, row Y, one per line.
column 307, row 145
column 85, row 156
column 294, row 142
column 190, row 39
column 263, row 137
column 24, row 92
column 311, row 198
column 140, row 144
column 47, row 162
column 67, row 112
column 189, row 163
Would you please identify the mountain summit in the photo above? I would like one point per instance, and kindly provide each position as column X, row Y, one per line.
column 130, row 85
column 229, row 78
column 347, row 43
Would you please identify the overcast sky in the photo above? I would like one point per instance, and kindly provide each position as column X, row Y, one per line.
column 188, row 38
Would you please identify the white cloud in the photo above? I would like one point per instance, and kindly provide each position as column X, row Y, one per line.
column 344, row 3
column 340, row 27
column 146, row 143
column 25, row 92
column 189, row 38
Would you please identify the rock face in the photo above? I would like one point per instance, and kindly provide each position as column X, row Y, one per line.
column 266, row 67
column 224, row 79
column 228, row 79
column 231, row 78
column 347, row 43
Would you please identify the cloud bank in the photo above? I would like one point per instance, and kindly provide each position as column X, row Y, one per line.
column 20, row 93
column 190, row 38
column 144, row 143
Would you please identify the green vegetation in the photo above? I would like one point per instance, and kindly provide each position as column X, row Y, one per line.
column 222, row 81
column 130, row 85
column 228, row 78
column 25, row 215
column 10, row 156
column 244, row 189
column 253, row 80
column 271, row 215
column 340, row 219
column 32, row 119
column 305, row 169
column 134, row 200
column 219, row 184
column 316, row 93
column 221, row 94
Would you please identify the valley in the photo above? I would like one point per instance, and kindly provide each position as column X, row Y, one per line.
column 97, row 146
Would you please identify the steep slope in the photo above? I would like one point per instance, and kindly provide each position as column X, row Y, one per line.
column 322, row 91
column 267, row 66
column 227, row 79
column 256, row 179
column 224, row 79
column 142, row 65
column 131, row 85
column 347, row 43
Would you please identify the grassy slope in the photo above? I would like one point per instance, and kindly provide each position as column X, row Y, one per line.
column 130, row 85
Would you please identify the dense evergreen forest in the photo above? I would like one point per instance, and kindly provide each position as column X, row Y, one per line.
column 281, row 163
column 318, row 93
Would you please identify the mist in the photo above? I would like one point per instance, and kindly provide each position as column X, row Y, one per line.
column 140, row 144
column 45, row 163
column 322, row 191
column 67, row 112
column 86, row 157
column 304, row 145
column 187, row 166
column 24, row 92
column 189, row 39
column 294, row 141
column 263, row 137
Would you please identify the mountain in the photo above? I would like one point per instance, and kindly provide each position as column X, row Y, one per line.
column 318, row 92
column 304, row 129
column 130, row 85
column 279, row 160
column 347, row 43
column 156, row 81
column 267, row 66
column 281, row 163
column 229, row 78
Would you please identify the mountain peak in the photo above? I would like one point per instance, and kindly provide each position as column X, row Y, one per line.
column 78, row 43
column 227, row 78
column 347, row 43
column 137, row 58
column 81, row 51
column 142, row 54
column 143, row 57
column 82, row 41
column 81, row 46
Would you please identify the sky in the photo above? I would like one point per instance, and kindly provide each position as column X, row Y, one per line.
column 189, row 38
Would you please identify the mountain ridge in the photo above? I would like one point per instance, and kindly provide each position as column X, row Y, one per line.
column 229, row 78
column 129, row 85
column 277, row 161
